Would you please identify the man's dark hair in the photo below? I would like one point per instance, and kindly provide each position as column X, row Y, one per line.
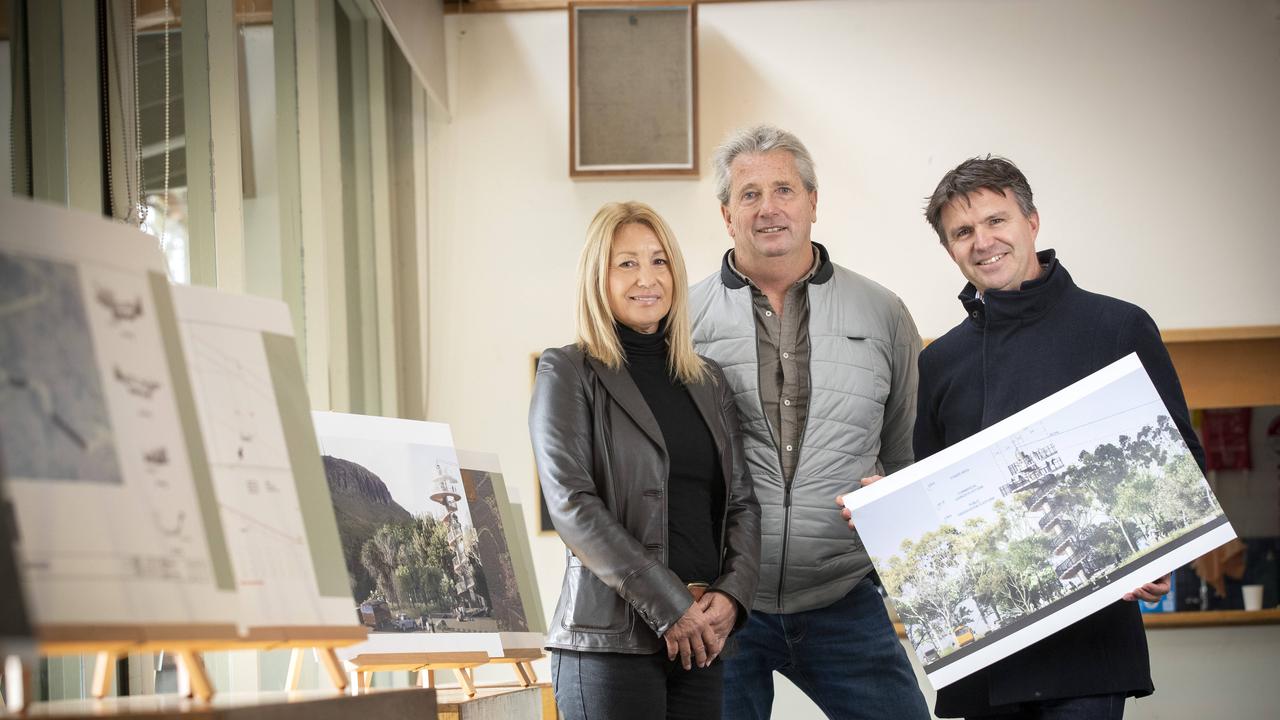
column 992, row 173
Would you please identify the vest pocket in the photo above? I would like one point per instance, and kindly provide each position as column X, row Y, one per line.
column 593, row 606
column 869, row 376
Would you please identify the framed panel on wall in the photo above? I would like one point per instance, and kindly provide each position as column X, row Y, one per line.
column 633, row 89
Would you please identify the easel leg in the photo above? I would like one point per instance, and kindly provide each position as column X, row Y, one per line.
column 329, row 659
column 17, row 684
column 293, row 679
column 429, row 676
column 466, row 681
column 201, row 688
column 103, row 673
column 359, row 682
column 527, row 676
column 353, row 687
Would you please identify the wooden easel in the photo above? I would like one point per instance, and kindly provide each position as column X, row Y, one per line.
column 426, row 664
column 187, row 642
column 324, row 641
column 108, row 643
column 522, row 659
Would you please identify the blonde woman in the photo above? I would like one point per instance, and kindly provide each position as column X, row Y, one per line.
column 641, row 463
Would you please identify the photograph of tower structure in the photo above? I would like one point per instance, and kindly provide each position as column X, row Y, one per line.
column 1037, row 521
column 408, row 538
column 461, row 539
column 1036, row 477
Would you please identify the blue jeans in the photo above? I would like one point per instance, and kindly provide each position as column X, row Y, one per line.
column 617, row 686
column 845, row 657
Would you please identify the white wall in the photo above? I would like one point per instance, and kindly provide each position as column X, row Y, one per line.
column 1147, row 128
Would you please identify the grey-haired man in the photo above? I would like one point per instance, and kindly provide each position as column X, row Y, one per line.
column 822, row 362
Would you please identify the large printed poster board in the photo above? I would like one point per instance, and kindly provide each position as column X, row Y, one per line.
column 412, row 537
column 1037, row 521
column 255, row 417
column 115, row 513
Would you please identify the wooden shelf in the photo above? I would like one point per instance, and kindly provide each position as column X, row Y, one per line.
column 1225, row 367
column 1218, row 334
column 1212, row 618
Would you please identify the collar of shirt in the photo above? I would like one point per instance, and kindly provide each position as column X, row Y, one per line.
column 1033, row 298
column 813, row 270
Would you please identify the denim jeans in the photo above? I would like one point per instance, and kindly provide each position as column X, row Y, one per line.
column 1092, row 707
column 845, row 657
column 616, row 686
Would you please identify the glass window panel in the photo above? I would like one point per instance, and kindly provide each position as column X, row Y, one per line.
column 263, row 265
column 163, row 139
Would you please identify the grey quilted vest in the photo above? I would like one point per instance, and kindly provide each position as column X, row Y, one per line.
column 862, row 407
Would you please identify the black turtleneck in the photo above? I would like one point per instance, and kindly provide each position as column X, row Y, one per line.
column 695, row 484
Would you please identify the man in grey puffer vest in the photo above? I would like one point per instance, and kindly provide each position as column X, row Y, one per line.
column 822, row 363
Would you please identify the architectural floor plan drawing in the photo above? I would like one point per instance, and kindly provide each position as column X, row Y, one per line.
column 267, row 504
column 100, row 446
column 1037, row 521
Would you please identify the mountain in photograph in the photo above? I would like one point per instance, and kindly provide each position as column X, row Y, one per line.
column 362, row 504
column 408, row 573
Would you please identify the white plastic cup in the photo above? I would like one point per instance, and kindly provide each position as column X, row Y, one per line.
column 1252, row 597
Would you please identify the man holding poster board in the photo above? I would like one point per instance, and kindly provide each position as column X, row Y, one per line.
column 1031, row 332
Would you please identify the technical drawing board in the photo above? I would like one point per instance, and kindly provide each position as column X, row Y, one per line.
column 255, row 417
column 119, row 536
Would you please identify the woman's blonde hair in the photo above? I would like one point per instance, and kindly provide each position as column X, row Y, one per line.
column 597, row 335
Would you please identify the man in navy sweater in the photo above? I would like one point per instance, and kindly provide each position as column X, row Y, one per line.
column 1029, row 332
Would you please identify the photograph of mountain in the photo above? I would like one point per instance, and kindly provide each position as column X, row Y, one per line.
column 410, row 539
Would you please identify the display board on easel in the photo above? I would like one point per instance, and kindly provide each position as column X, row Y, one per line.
column 119, row 540
column 509, row 552
column 512, row 557
column 130, row 457
column 426, row 546
column 292, row 588
column 271, row 490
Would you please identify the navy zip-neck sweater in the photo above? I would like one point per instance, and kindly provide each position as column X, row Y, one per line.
column 1015, row 348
